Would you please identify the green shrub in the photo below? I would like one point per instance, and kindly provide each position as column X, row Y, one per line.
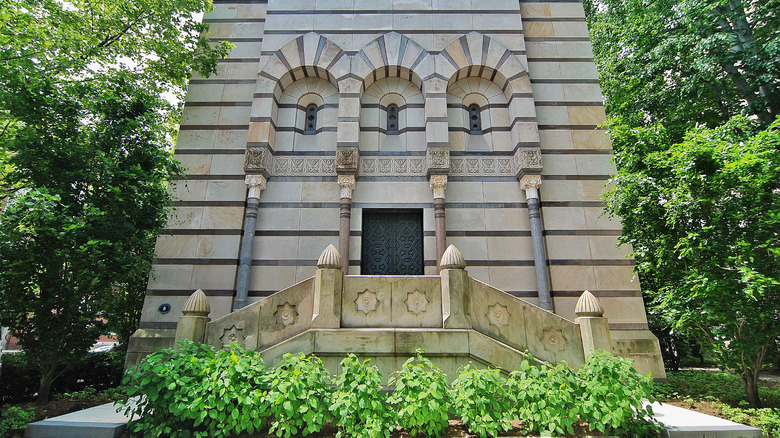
column 420, row 396
column 298, row 397
column 195, row 391
column 766, row 419
column 545, row 398
column 358, row 406
column 14, row 418
column 482, row 401
column 723, row 386
column 611, row 394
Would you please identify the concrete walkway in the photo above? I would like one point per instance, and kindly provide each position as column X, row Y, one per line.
column 97, row 422
column 104, row 422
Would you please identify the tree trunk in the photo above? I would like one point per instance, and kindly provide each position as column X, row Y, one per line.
column 48, row 374
column 750, row 382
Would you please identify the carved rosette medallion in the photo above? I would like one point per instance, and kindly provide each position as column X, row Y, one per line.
column 416, row 302
column 347, row 160
column 366, row 301
column 553, row 340
column 233, row 335
column 498, row 315
column 286, row 314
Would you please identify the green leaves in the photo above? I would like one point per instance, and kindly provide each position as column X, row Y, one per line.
column 359, row 408
column 482, row 400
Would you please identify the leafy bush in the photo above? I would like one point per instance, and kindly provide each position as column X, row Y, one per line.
column 611, row 394
column 766, row 419
column 298, row 398
column 421, row 396
column 359, row 408
column 482, row 401
column 545, row 398
column 723, row 386
column 196, row 391
column 14, row 418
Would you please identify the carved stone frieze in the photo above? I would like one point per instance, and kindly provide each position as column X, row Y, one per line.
column 528, row 160
column 481, row 166
column 366, row 301
column 304, row 166
column 416, row 302
column 392, row 166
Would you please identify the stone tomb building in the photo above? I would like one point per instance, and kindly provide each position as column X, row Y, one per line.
column 392, row 129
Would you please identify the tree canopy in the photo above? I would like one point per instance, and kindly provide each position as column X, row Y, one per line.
column 87, row 106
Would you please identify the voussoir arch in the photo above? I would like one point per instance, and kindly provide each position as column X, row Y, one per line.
column 392, row 55
column 309, row 55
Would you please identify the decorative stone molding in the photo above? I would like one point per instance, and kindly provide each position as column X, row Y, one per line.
column 197, row 305
column 303, row 165
column 416, row 302
column 329, row 259
column 453, row 259
column 286, row 314
column 256, row 183
column 482, row 166
column 528, row 161
column 366, row 301
column 553, row 340
column 258, row 159
column 392, row 166
column 347, row 185
column 438, row 160
column 498, row 315
column 347, row 160
column 232, row 335
column 588, row 306
column 438, row 185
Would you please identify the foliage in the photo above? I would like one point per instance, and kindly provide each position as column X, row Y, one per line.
column 545, row 397
column 612, row 395
column 195, row 390
column 20, row 378
column 298, row 396
column 84, row 141
column 482, row 401
column 358, row 406
column 766, row 419
column 721, row 386
column 682, row 62
column 14, row 418
column 702, row 217
column 421, row 396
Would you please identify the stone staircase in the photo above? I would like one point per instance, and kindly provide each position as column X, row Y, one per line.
column 453, row 317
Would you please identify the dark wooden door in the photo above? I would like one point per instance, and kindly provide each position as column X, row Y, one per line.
column 392, row 243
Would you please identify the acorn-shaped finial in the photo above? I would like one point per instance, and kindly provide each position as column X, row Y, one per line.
column 588, row 305
column 330, row 258
column 452, row 259
column 197, row 305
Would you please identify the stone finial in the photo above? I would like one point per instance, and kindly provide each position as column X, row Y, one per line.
column 588, row 306
column 197, row 305
column 329, row 259
column 452, row 259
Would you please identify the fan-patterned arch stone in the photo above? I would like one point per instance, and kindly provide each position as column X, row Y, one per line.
column 392, row 55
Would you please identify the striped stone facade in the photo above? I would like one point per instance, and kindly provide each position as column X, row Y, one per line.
column 527, row 66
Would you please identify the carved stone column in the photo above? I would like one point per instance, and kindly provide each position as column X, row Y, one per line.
column 256, row 184
column 346, row 185
column 438, row 185
column 530, row 184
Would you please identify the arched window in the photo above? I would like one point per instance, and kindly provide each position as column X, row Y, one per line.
column 392, row 119
column 311, row 120
column 475, row 119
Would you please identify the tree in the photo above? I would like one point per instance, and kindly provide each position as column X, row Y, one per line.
column 682, row 62
column 86, row 143
column 703, row 217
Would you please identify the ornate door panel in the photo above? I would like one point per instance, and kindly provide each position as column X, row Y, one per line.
column 392, row 243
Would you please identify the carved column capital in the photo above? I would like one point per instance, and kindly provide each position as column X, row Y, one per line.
column 531, row 184
column 347, row 185
column 347, row 160
column 438, row 160
column 256, row 185
column 438, row 185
